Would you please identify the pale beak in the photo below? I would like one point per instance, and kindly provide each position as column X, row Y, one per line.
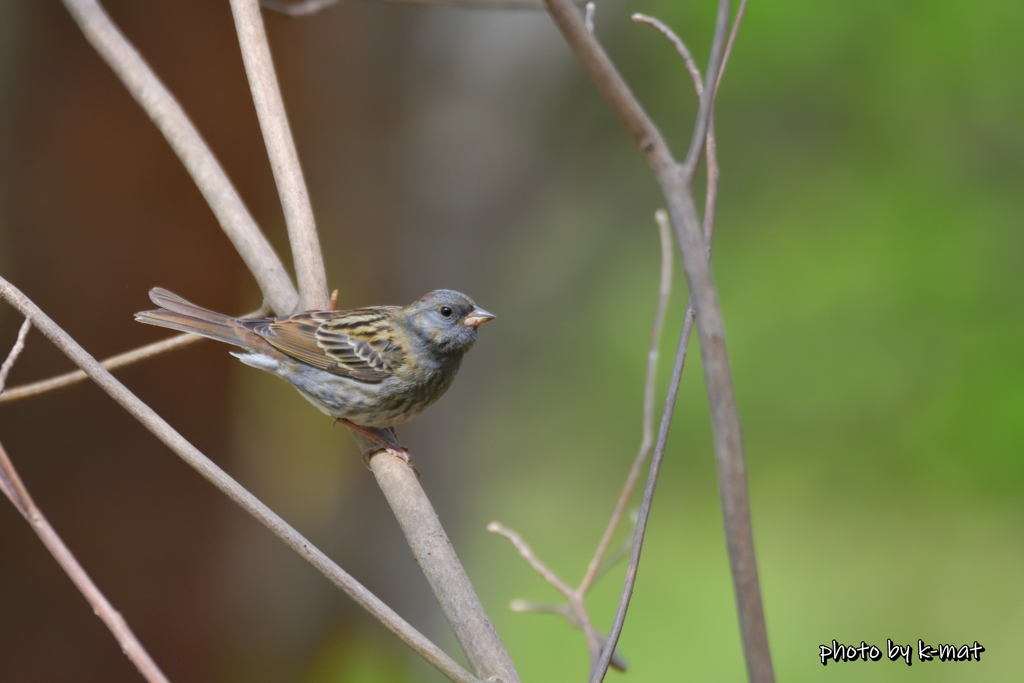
column 477, row 317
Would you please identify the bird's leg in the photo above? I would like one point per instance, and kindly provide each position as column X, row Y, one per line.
column 392, row 447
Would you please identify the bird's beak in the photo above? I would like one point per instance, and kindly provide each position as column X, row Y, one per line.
column 477, row 317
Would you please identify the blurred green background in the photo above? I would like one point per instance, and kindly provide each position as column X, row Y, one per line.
column 868, row 252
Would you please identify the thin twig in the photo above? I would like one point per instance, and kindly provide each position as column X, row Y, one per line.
column 308, row 7
column 589, row 16
column 622, row 551
column 647, row 439
column 676, row 184
column 199, row 161
column 232, row 489
column 12, row 357
column 732, row 37
column 576, row 596
column 645, row 507
column 678, row 44
column 113, row 363
column 531, row 557
column 561, row 609
column 284, row 159
column 297, row 9
column 14, row 489
column 710, row 151
column 707, row 101
column 711, row 154
column 569, row 614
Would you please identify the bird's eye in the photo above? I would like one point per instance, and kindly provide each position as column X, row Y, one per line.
column 446, row 311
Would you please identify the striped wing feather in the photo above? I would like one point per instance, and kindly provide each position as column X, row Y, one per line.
column 358, row 344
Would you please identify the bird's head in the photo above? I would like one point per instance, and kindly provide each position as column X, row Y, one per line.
column 447, row 320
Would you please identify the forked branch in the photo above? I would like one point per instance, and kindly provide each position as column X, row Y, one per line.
column 576, row 612
column 160, row 105
column 675, row 180
column 12, row 357
column 284, row 159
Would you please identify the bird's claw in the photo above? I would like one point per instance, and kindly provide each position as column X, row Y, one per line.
column 400, row 452
column 380, row 444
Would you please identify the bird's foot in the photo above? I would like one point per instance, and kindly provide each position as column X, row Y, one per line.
column 380, row 444
column 400, row 452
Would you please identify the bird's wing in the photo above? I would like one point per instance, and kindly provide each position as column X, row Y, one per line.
column 361, row 344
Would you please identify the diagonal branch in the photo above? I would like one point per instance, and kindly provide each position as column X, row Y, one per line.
column 199, row 161
column 232, row 489
column 676, row 185
column 308, row 7
column 12, row 357
column 113, row 363
column 436, row 556
column 576, row 611
column 679, row 45
column 531, row 557
column 647, row 439
column 14, row 489
column 284, row 159
column 119, row 361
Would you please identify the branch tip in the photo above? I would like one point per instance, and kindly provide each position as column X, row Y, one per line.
column 12, row 356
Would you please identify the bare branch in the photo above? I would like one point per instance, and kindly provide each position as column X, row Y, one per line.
column 284, row 159
column 12, row 357
column 545, row 608
column 569, row 614
column 647, row 440
column 308, row 7
column 199, row 161
column 521, row 546
column 436, row 557
column 678, row 44
column 576, row 610
column 580, row 618
column 232, row 489
column 113, row 363
column 14, row 489
column 297, row 9
column 711, row 155
column 610, row 84
column 645, row 507
column 707, row 101
column 622, row 551
column 676, row 185
column 732, row 37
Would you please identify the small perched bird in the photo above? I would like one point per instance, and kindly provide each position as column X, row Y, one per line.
column 369, row 368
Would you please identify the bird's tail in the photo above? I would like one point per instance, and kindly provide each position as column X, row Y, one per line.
column 184, row 316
